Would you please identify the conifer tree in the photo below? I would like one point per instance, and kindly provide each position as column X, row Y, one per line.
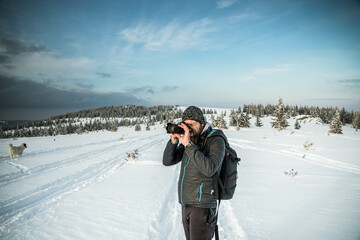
column 280, row 122
column 221, row 123
column 214, row 122
column 234, row 118
column 137, row 127
column 335, row 124
column 258, row 122
column 356, row 121
column 297, row 125
column 244, row 120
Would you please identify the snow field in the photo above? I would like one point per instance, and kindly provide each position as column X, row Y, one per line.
column 81, row 187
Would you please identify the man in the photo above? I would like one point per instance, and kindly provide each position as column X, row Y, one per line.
column 201, row 159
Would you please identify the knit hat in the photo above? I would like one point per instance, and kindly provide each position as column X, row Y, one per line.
column 193, row 113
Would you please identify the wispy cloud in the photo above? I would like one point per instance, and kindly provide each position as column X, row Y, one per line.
column 256, row 73
column 276, row 69
column 173, row 36
column 352, row 83
column 143, row 89
column 103, row 75
column 225, row 3
column 241, row 17
column 85, row 86
column 169, row 88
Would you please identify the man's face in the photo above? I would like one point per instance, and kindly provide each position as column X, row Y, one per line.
column 196, row 127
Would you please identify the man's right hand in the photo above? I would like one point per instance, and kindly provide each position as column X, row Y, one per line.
column 174, row 139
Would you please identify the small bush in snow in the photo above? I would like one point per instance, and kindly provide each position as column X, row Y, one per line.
column 132, row 156
column 308, row 145
column 291, row 173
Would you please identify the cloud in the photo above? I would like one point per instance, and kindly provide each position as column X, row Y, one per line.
column 29, row 59
column 103, row 75
column 143, row 89
column 169, row 88
column 84, row 86
column 352, row 83
column 49, row 65
column 16, row 47
column 272, row 70
column 241, row 17
column 174, row 36
column 16, row 93
column 256, row 73
column 225, row 3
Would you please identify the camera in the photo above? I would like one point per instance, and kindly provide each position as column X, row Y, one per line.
column 174, row 128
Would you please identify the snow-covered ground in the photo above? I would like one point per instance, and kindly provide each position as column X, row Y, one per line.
column 81, row 186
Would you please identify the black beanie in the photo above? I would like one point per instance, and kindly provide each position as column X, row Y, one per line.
column 193, row 113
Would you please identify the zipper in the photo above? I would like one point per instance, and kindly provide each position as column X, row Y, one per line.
column 182, row 180
column 200, row 191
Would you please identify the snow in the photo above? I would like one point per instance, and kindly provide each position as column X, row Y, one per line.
column 81, row 186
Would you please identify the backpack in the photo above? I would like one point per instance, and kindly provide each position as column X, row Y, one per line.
column 228, row 174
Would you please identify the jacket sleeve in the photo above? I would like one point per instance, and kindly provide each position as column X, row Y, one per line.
column 173, row 153
column 208, row 165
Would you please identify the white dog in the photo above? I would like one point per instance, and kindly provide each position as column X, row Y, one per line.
column 16, row 151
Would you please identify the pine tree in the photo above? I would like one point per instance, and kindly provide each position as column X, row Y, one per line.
column 280, row 122
column 244, row 120
column 258, row 122
column 356, row 121
column 221, row 123
column 297, row 125
column 137, row 127
column 214, row 122
column 233, row 118
column 335, row 124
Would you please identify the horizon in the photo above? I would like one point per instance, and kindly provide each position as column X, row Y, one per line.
column 59, row 57
column 177, row 106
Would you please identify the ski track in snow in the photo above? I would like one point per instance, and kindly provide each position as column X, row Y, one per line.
column 167, row 222
column 308, row 157
column 231, row 229
column 68, row 161
column 41, row 198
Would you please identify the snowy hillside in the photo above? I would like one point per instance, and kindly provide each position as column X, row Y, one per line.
column 81, row 186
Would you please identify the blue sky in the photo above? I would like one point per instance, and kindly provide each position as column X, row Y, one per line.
column 59, row 56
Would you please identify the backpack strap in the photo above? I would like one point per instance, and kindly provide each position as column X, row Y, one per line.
column 218, row 185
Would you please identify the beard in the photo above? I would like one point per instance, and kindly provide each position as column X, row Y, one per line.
column 195, row 139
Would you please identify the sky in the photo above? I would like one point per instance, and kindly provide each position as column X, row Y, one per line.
column 62, row 56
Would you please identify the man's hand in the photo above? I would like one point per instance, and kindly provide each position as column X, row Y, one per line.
column 174, row 139
column 184, row 139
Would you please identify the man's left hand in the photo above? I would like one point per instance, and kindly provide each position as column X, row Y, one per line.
column 185, row 138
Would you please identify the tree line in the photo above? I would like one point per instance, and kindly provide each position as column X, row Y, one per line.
column 111, row 117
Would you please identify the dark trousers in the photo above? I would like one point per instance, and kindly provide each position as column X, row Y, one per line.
column 199, row 223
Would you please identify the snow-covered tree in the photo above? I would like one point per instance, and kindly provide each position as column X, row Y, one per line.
column 233, row 118
column 244, row 120
column 258, row 122
column 335, row 124
column 297, row 125
column 221, row 123
column 280, row 122
column 137, row 127
column 356, row 121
